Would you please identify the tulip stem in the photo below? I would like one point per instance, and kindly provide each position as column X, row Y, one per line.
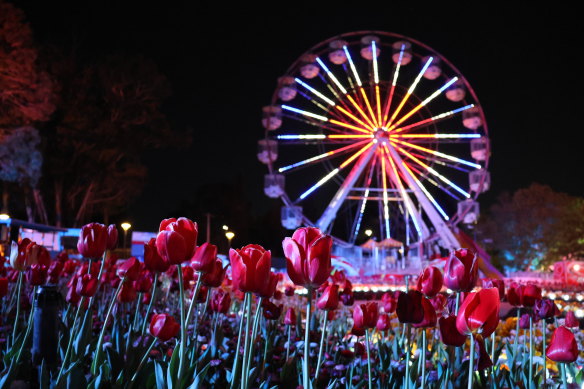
column 544, row 346
column 194, row 300
column 99, row 348
column 306, row 367
column 368, row 341
column 516, row 343
column 564, row 380
column 183, row 324
column 530, row 351
column 28, row 328
column 288, row 343
column 244, row 366
column 152, row 298
column 493, row 356
column 322, row 338
column 254, row 330
column 236, row 359
column 471, row 362
column 70, row 342
column 423, row 352
column 18, row 293
column 142, row 362
column 408, row 352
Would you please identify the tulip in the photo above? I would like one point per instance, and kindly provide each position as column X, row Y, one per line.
column 270, row 310
column 215, row 277
column 152, row 260
column 130, row 269
column 3, row 287
column 112, row 237
column 127, row 293
column 338, row 277
column 37, row 254
column 268, row 288
column 461, row 270
column 163, row 327
column 409, row 307
column 383, row 322
column 250, row 267
column 205, row 257
column 36, row 274
column 365, row 315
column 531, row 293
column 571, row 321
column 329, row 300
column 18, row 257
column 357, row 331
column 439, row 303
column 92, row 240
column 495, row 283
column 524, row 321
column 514, row 293
column 347, row 299
column 429, row 319
column 143, row 283
column 563, row 346
column 289, row 291
column 69, row 266
column 290, row 317
column 86, row 285
column 220, row 301
column 389, row 301
column 544, row 309
column 72, row 296
column 430, row 281
column 479, row 313
column 55, row 271
column 177, row 240
column 484, row 360
column 188, row 276
column 308, row 257
column 449, row 334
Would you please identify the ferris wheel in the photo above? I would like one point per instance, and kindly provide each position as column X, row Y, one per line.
column 374, row 130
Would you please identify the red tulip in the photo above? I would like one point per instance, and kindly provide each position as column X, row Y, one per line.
column 36, row 274
column 383, row 322
column 365, row 315
column 130, row 269
column 92, row 240
column 127, row 293
column 290, row 317
column 514, row 293
column 531, row 294
column 220, row 302
column 215, row 277
column 571, row 321
column 202, row 296
column 308, row 257
column 479, row 313
column 204, row 259
column 69, row 266
column 439, row 303
column 339, row 277
column 563, row 346
column 389, row 300
column 250, row 267
column 143, row 283
column 164, row 327
column 112, row 237
column 72, row 296
column 544, row 309
column 270, row 310
column 347, row 299
column 329, row 299
column 188, row 276
column 409, row 307
column 430, row 281
column 38, row 254
column 86, row 285
column 461, row 270
column 152, row 260
column 177, row 240
column 495, row 283
column 357, row 331
column 55, row 271
column 449, row 333
column 524, row 321
column 289, row 291
column 429, row 319
column 3, row 287
column 18, row 257
column 268, row 287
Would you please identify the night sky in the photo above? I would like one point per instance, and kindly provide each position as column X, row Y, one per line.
column 223, row 64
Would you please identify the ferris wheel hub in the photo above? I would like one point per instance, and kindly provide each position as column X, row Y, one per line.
column 381, row 135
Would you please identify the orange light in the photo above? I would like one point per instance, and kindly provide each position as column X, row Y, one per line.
column 361, row 111
column 358, row 153
column 349, row 126
column 369, row 106
column 349, row 114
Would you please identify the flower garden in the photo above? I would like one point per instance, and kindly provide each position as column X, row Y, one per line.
column 182, row 319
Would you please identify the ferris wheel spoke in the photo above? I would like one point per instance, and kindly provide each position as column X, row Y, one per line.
column 359, row 216
column 376, row 80
column 321, row 157
column 371, row 120
column 436, row 183
column 441, row 162
column 331, row 76
column 315, row 92
column 437, row 153
column 385, row 199
column 433, row 119
column 423, row 103
column 350, row 115
column 333, row 172
column 408, row 94
column 305, row 113
column 436, row 136
column 435, row 173
column 393, row 84
column 331, row 210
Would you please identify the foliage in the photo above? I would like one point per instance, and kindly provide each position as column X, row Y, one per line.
column 20, row 158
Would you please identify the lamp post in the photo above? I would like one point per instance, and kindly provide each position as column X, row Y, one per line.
column 369, row 232
column 229, row 235
column 126, row 226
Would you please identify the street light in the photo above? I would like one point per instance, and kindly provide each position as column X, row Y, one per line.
column 368, row 232
column 125, row 226
column 4, row 216
column 225, row 228
column 229, row 235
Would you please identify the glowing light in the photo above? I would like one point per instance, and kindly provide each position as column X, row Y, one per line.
column 317, row 93
column 576, row 266
column 305, row 113
column 308, row 136
column 229, row 235
column 349, row 114
column 428, row 195
column 369, row 107
column 437, row 136
column 225, row 227
column 434, row 172
column 125, row 226
column 552, row 296
column 378, row 105
column 439, row 154
column 434, row 118
column 358, row 153
column 331, row 75
column 321, row 156
column 375, row 72
column 353, row 69
column 349, row 126
column 385, row 199
column 579, row 297
column 566, row 297
column 4, row 216
column 393, row 84
column 409, row 92
column 368, row 232
column 423, row 103
column 579, row 313
column 350, row 136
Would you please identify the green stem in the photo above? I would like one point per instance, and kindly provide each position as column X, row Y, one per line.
column 137, row 314
column 194, row 300
column 457, row 302
column 235, row 368
column 321, row 348
column 544, row 346
column 564, row 380
column 142, row 362
column 98, row 349
column 18, row 293
column 288, row 343
column 368, row 340
column 530, row 351
column 152, row 298
column 183, row 323
column 408, row 352
column 28, row 328
column 254, row 331
column 244, row 366
column 471, row 363
column 70, row 343
column 306, row 367
column 516, row 342
column 493, row 357
column 424, row 347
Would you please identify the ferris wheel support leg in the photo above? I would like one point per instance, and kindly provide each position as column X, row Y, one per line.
column 331, row 210
column 443, row 230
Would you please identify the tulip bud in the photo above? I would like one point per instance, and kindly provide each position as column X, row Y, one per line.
column 461, row 270
column 205, row 257
column 220, row 302
column 308, row 256
column 18, row 257
column 38, row 254
column 289, row 291
column 389, row 300
column 112, row 237
column 409, row 307
column 449, row 333
column 127, row 293
column 429, row 319
column 571, row 321
column 290, row 317
column 86, row 285
column 214, row 278
column 271, row 311
column 130, row 269
column 479, row 313
column 365, row 315
column 383, row 322
column 36, row 274
column 524, row 321
column 430, row 281
column 143, row 283
column 250, row 268
column 544, row 309
column 164, row 327
column 92, row 240
column 177, row 240
column 563, row 346
column 329, row 300
column 531, row 294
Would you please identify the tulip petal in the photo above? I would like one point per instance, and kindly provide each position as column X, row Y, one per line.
column 293, row 254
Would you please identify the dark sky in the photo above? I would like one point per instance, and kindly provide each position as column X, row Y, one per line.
column 223, row 64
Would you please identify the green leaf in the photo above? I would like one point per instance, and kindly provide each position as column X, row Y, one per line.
column 200, row 377
column 159, row 368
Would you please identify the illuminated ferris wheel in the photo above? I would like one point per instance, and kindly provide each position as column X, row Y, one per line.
column 375, row 130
